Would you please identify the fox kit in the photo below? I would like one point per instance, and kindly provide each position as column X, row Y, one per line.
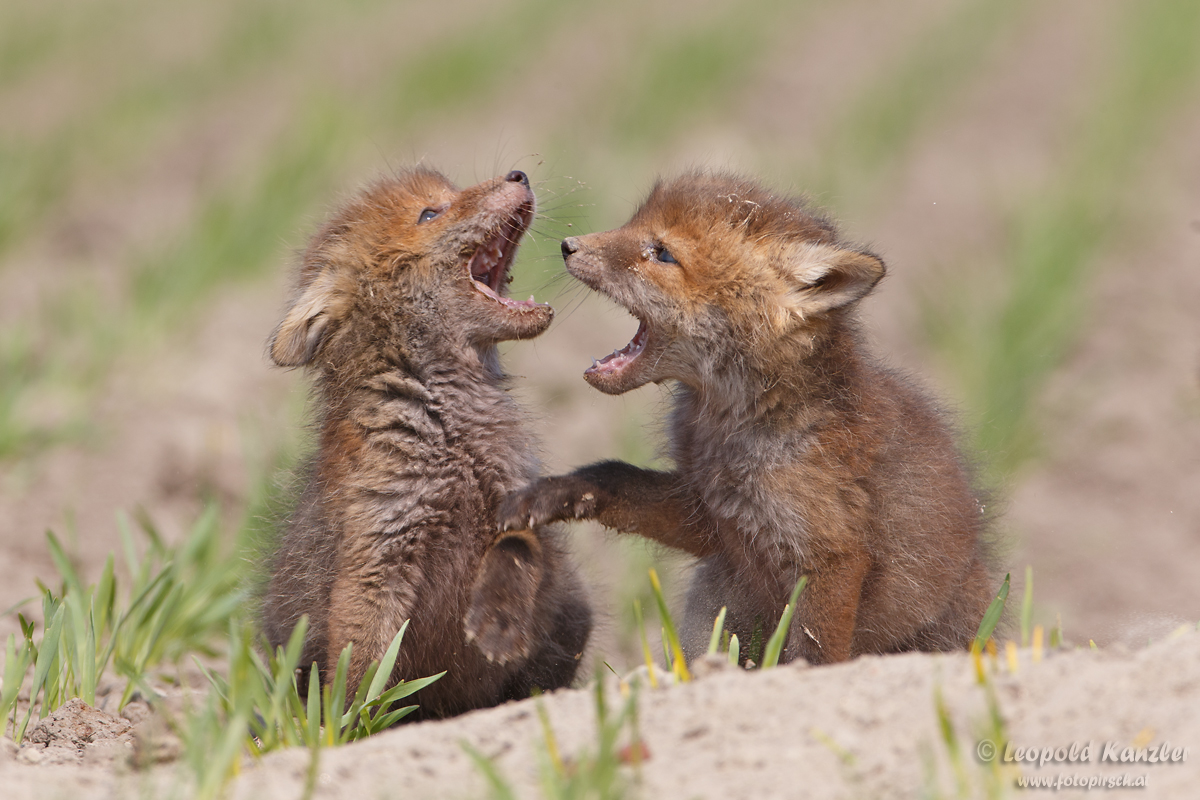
column 795, row 453
column 400, row 303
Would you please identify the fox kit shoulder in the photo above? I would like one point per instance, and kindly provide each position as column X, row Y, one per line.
column 795, row 453
column 400, row 302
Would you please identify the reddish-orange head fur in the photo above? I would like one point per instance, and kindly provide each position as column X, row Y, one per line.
column 409, row 255
column 718, row 270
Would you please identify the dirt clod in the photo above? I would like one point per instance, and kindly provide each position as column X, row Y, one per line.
column 76, row 725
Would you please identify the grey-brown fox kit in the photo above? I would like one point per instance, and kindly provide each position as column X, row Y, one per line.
column 400, row 304
column 795, row 452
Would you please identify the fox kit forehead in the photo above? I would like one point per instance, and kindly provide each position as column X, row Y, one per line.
column 404, row 191
column 695, row 202
column 420, row 184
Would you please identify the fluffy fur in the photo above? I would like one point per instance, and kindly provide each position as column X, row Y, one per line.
column 795, row 452
column 399, row 305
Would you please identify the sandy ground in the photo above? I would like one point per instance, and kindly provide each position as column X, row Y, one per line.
column 868, row 728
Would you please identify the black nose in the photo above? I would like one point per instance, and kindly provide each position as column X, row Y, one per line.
column 569, row 245
column 517, row 176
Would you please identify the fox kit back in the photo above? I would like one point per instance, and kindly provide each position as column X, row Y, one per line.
column 796, row 454
column 400, row 303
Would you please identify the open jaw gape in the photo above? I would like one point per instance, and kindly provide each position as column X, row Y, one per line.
column 616, row 362
column 492, row 261
column 638, row 362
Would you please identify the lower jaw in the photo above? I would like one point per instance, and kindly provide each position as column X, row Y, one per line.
column 524, row 323
column 612, row 383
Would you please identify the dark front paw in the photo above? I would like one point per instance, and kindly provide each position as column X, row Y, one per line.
column 548, row 500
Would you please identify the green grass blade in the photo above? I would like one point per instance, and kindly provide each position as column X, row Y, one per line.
column 386, row 665
column 950, row 739
column 65, row 568
column 735, row 650
column 649, row 659
column 45, row 661
column 222, row 760
column 104, row 597
column 219, row 684
column 405, row 688
column 992, row 616
column 1056, row 633
column 392, row 717
column 679, row 663
column 336, row 698
column 1027, row 607
column 16, row 664
column 314, row 707
column 500, row 790
column 88, row 665
column 775, row 643
column 287, row 661
column 15, row 607
column 714, row 641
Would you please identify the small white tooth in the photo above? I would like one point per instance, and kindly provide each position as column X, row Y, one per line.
column 531, row 298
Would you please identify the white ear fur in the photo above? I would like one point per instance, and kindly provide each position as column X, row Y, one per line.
column 306, row 323
column 823, row 277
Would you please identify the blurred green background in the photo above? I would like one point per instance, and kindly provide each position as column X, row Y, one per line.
column 1028, row 171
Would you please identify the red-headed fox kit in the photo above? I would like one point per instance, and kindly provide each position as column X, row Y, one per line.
column 795, row 452
column 400, row 303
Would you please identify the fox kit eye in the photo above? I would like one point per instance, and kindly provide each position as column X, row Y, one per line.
column 664, row 255
column 428, row 214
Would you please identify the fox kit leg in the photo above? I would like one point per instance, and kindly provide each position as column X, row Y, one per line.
column 714, row 586
column 615, row 494
column 371, row 598
column 822, row 628
column 501, row 617
column 955, row 629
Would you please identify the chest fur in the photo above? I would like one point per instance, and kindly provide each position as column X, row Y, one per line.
column 743, row 473
column 436, row 457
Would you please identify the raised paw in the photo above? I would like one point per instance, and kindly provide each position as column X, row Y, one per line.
column 548, row 500
column 500, row 619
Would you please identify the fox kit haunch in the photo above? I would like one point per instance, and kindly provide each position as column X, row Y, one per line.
column 400, row 304
column 795, row 453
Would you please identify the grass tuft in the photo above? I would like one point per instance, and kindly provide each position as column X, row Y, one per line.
column 178, row 600
column 260, row 702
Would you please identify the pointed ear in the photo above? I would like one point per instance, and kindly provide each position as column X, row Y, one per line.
column 306, row 324
column 824, row 277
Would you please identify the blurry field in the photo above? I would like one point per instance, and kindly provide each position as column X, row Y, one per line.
column 1028, row 171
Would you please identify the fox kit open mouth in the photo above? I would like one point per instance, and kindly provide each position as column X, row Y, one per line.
column 490, row 264
column 630, row 366
column 619, row 361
